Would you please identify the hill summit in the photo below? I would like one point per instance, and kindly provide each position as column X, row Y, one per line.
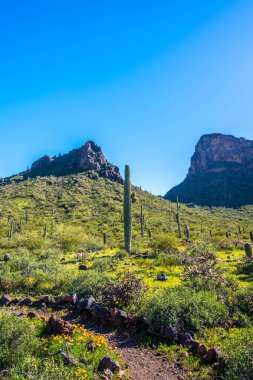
column 221, row 173
column 88, row 157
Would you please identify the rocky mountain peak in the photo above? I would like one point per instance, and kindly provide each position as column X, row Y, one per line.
column 88, row 157
column 216, row 152
column 221, row 173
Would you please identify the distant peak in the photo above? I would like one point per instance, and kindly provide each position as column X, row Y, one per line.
column 221, row 172
column 86, row 158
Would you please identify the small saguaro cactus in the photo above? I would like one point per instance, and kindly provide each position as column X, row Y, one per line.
column 45, row 232
column 251, row 235
column 142, row 222
column 227, row 234
column 248, row 250
column 149, row 234
column 187, row 232
column 239, row 230
column 127, row 210
column 104, row 237
column 26, row 215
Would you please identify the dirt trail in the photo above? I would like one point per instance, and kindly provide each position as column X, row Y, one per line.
column 141, row 363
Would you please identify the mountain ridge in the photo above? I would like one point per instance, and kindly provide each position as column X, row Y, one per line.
column 220, row 174
column 88, row 158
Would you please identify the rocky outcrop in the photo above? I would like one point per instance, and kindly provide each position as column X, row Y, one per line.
column 88, row 158
column 221, row 173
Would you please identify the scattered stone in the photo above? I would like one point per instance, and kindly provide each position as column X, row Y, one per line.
column 170, row 333
column 5, row 300
column 57, row 326
column 107, row 363
column 121, row 317
column 70, row 298
column 100, row 312
column 201, row 350
column 7, row 257
column 85, row 303
column 47, row 300
column 213, row 355
column 26, row 302
column 83, row 267
column 185, row 340
column 16, row 300
column 194, row 345
column 161, row 277
column 31, row 315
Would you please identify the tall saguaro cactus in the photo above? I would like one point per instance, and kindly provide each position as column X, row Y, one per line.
column 178, row 220
column 127, row 210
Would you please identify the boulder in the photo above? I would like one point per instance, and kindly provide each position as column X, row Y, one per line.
column 47, row 300
column 57, row 326
column 83, row 267
column 185, row 340
column 194, row 345
column 201, row 350
column 107, row 363
column 7, row 257
column 170, row 332
column 161, row 277
column 213, row 355
column 85, row 304
column 100, row 312
column 5, row 300
column 26, row 302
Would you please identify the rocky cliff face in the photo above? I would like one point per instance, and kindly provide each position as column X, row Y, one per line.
column 221, row 173
column 88, row 157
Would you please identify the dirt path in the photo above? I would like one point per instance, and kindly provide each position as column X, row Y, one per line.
column 141, row 363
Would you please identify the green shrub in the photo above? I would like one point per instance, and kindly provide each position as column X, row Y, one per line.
column 18, row 340
column 238, row 353
column 185, row 308
column 244, row 301
column 164, row 243
column 90, row 283
column 70, row 238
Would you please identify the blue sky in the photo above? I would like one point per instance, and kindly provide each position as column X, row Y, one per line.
column 143, row 79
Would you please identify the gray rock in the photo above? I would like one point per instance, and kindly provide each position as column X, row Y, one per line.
column 5, row 300
column 83, row 267
column 185, row 340
column 107, row 363
column 161, row 277
column 85, row 303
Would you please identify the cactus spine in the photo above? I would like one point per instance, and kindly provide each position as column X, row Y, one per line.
column 127, row 210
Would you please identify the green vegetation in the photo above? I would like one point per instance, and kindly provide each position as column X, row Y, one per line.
column 49, row 227
column 25, row 352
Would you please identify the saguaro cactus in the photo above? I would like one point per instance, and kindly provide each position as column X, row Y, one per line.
column 187, row 232
column 248, row 250
column 142, row 222
column 178, row 220
column 127, row 210
column 104, row 237
column 251, row 235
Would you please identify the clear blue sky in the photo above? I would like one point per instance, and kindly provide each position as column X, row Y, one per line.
column 143, row 79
